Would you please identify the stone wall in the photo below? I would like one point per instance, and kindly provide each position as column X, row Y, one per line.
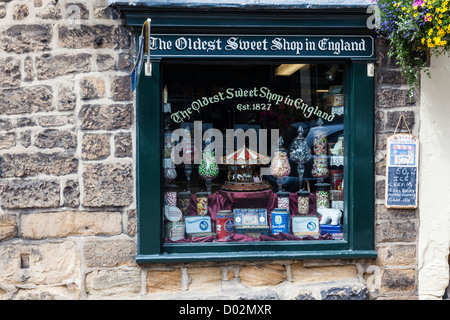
column 67, row 147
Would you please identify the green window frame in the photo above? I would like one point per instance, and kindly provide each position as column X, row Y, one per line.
column 359, row 161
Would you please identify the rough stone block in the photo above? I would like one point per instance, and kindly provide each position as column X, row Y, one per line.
column 304, row 275
column 69, row 291
column 28, row 69
column 114, row 282
column 52, row 66
column 163, row 281
column 121, row 88
column 205, row 279
column 21, row 194
column 95, row 36
column 92, row 88
column 20, row 12
column 105, row 62
column 380, row 189
column 106, row 117
column 397, row 280
column 67, row 99
column 7, row 141
column 71, row 194
column 394, row 116
column 395, row 231
column 123, row 144
column 264, row 275
column 95, row 146
column 389, row 76
column 54, row 138
column 8, row 226
column 110, row 253
column 10, row 75
column 26, row 38
column 24, row 138
column 39, row 264
column 388, row 98
column 383, row 213
column 107, row 13
column 50, row 12
column 55, row 120
column 2, row 11
column 5, row 124
column 396, row 255
column 108, row 185
column 26, row 100
column 132, row 223
column 69, row 223
column 26, row 164
column 261, row 295
column 346, row 292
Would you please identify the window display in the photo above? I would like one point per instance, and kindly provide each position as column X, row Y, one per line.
column 253, row 155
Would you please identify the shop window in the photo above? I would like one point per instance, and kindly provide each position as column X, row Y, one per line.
column 253, row 152
column 210, row 130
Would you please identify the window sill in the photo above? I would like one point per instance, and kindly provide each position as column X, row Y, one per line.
column 255, row 255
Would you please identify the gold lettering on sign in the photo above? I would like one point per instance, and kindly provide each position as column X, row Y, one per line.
column 263, row 92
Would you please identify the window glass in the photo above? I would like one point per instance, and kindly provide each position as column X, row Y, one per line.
column 253, row 152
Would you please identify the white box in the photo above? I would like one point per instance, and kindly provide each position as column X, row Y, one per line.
column 198, row 224
column 306, row 226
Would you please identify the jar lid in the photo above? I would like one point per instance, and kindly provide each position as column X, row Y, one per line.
column 283, row 194
column 173, row 213
column 170, row 187
column 322, row 185
column 202, row 194
column 184, row 194
column 303, row 193
column 280, row 210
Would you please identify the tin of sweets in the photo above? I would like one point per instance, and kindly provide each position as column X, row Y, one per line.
column 280, row 221
column 174, row 230
column 224, row 223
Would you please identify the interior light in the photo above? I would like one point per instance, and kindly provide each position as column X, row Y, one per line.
column 288, row 69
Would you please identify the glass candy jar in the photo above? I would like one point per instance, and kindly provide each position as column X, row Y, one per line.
column 279, row 167
column 202, row 203
column 303, row 202
column 184, row 202
column 208, row 168
column 322, row 195
column 320, row 140
column 300, row 153
column 283, row 200
column 170, row 173
column 320, row 167
column 171, row 195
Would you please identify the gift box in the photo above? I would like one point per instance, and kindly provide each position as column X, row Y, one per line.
column 196, row 236
column 305, row 226
column 253, row 231
column 198, row 224
column 334, row 231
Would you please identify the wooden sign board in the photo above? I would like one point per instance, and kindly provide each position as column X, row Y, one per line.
column 402, row 171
